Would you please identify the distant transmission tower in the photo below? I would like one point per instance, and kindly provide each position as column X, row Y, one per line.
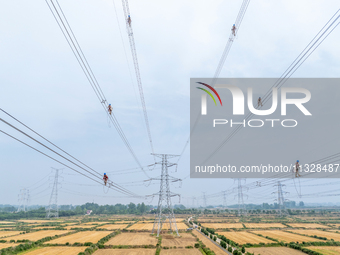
column 280, row 199
column 241, row 206
column 224, row 193
column 22, row 198
column 204, row 200
column 165, row 212
column 193, row 202
column 53, row 204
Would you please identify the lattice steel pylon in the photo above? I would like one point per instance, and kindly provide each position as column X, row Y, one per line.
column 224, row 193
column 241, row 206
column 22, row 198
column 204, row 200
column 53, row 204
column 165, row 212
column 280, row 199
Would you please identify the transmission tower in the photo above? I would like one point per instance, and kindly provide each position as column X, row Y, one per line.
column 224, row 193
column 204, row 200
column 241, row 206
column 165, row 211
column 22, row 198
column 193, row 202
column 52, row 210
column 280, row 199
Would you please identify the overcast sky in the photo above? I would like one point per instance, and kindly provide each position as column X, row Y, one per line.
column 43, row 86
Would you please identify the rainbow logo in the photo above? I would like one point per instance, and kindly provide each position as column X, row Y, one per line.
column 212, row 89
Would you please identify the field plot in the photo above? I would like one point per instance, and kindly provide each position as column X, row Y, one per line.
column 126, row 252
column 8, row 233
column 185, row 239
column 113, row 226
column 80, row 226
column 7, row 222
column 38, row 221
column 217, row 250
column 329, row 235
column 244, row 237
column 81, row 237
column 181, row 252
column 35, row 236
column 124, row 222
column 264, row 225
column 149, row 226
column 286, row 237
column 327, row 250
column 306, row 225
column 96, row 223
column 59, row 250
column 222, row 225
column 274, row 251
column 6, row 245
column 133, row 239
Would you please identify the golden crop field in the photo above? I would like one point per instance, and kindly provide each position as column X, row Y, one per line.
column 125, row 252
column 80, row 226
column 114, row 226
column 149, row 226
column 181, row 252
column 209, row 244
column 286, row 237
column 264, row 225
column 274, row 251
column 81, row 237
column 6, row 245
column 48, row 227
column 35, row 236
column 307, row 225
column 37, row 221
column 133, row 239
column 8, row 233
column 185, row 239
column 96, row 223
column 326, row 250
column 7, row 222
column 58, row 250
column 320, row 233
column 245, row 237
column 124, row 222
column 222, row 225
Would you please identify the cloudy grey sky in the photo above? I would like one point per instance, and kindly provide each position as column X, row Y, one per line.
column 43, row 85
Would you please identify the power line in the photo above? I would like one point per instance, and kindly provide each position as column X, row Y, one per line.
column 72, row 41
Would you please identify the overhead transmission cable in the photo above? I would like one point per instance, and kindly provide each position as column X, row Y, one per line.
column 72, row 41
column 136, row 65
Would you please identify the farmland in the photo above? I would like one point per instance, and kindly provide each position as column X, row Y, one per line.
column 113, row 226
column 35, row 236
column 181, row 252
column 149, row 226
column 81, row 237
column 58, row 250
column 209, row 244
column 222, row 225
column 274, row 251
column 245, row 237
column 133, row 239
column 8, row 233
column 307, row 225
column 264, row 225
column 126, row 252
column 319, row 233
column 286, row 237
column 185, row 239
column 326, row 250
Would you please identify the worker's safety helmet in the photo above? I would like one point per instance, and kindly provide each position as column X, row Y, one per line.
column 234, row 25
column 259, row 97
column 109, row 104
column 104, row 173
column 297, row 161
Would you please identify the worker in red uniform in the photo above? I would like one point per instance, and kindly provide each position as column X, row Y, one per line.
column 105, row 178
column 109, row 108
